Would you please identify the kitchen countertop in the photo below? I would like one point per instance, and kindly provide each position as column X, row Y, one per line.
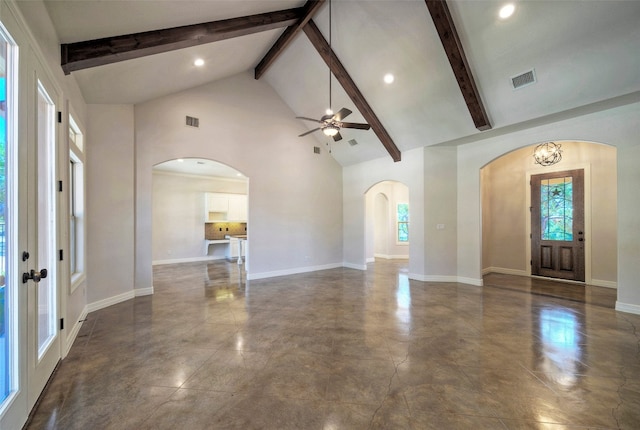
column 236, row 236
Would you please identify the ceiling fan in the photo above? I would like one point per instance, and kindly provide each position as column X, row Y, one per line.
column 331, row 124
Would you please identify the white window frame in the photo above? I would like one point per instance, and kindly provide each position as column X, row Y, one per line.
column 77, row 210
column 398, row 242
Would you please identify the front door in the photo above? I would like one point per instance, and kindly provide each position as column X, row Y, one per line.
column 557, row 225
column 29, row 296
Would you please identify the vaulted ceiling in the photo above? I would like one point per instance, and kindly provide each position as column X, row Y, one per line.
column 584, row 55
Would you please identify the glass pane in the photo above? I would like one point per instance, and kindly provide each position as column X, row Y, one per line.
column 403, row 222
column 403, row 232
column 5, row 380
column 8, row 314
column 46, row 220
column 556, row 209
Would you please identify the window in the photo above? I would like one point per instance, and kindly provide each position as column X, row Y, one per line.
column 76, row 204
column 402, row 217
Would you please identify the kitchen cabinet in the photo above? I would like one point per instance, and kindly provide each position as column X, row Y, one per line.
column 237, row 207
column 220, row 207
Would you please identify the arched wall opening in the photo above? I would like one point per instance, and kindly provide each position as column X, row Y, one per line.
column 183, row 229
column 385, row 236
column 506, row 214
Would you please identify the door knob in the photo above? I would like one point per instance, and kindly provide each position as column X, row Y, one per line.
column 36, row 276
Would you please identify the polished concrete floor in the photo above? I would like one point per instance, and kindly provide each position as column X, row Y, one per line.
column 349, row 349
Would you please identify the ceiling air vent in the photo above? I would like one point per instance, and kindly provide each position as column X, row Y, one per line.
column 316, row 150
column 353, row 142
column 193, row 122
column 523, row 79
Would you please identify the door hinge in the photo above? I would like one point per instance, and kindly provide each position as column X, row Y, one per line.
column 530, row 236
column 61, row 255
column 60, row 117
column 60, row 186
column 530, row 262
column 530, row 208
column 61, row 323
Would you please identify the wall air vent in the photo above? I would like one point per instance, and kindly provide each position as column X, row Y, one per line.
column 523, row 79
column 316, row 150
column 353, row 142
column 193, row 122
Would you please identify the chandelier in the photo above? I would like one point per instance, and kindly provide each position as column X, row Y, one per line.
column 548, row 153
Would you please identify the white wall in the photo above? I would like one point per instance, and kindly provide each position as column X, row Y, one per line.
column 505, row 211
column 357, row 180
column 179, row 215
column 295, row 205
column 110, row 201
column 617, row 126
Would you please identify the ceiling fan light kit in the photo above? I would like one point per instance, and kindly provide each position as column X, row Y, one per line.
column 330, row 130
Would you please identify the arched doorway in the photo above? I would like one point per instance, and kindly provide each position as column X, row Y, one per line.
column 387, row 221
column 183, row 229
column 506, row 210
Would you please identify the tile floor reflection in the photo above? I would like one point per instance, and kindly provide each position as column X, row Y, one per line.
column 348, row 349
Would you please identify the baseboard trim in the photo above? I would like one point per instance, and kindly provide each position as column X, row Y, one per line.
column 504, row 271
column 433, row 278
column 138, row 292
column 355, row 266
column 628, row 308
column 114, row 300
column 286, row 272
column 391, row 257
column 73, row 333
column 470, row 281
column 604, row 284
column 187, row 260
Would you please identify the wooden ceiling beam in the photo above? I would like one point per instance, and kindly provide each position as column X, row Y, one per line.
column 98, row 52
column 338, row 70
column 310, row 9
column 445, row 26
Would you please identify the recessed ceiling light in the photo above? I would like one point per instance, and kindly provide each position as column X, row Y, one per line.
column 199, row 62
column 329, row 111
column 389, row 78
column 180, row 160
column 238, row 174
column 506, row 11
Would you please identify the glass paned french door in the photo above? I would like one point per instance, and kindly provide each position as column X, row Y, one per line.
column 46, row 294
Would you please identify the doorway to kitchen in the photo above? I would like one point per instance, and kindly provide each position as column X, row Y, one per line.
column 199, row 212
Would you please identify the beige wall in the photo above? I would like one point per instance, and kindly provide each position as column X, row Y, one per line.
column 505, row 201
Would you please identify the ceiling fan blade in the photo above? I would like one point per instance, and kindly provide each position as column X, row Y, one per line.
column 342, row 113
column 325, row 118
column 337, row 137
column 308, row 119
column 309, row 132
column 357, row 125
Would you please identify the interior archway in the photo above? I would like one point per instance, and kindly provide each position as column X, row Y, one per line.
column 181, row 227
column 383, row 200
column 506, row 200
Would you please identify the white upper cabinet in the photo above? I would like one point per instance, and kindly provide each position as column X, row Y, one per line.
column 221, row 207
column 237, row 207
